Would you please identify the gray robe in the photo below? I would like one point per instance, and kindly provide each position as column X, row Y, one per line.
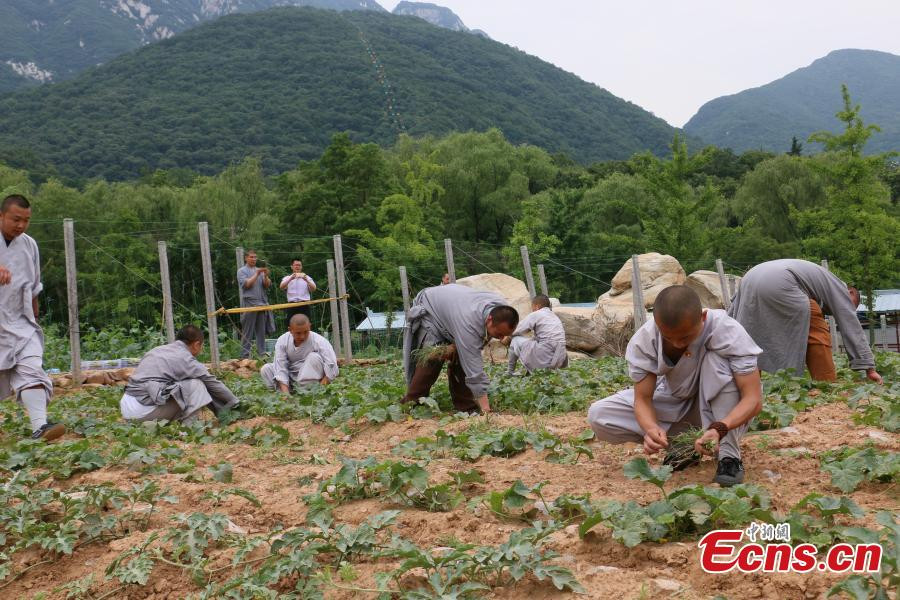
column 162, row 371
column 255, row 295
column 21, row 338
column 696, row 391
column 455, row 314
column 548, row 348
column 311, row 361
column 772, row 303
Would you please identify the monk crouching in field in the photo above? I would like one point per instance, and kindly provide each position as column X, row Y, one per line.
column 691, row 367
column 547, row 349
column 456, row 322
column 171, row 384
column 302, row 357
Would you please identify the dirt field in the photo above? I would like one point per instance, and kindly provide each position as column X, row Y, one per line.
column 785, row 462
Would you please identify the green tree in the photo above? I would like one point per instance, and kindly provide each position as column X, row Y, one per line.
column 774, row 189
column 674, row 222
column 403, row 239
column 854, row 229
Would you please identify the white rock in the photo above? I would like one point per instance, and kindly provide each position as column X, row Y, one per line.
column 233, row 528
column 772, row 475
column 657, row 270
column 601, row 569
column 878, row 435
column 791, row 430
column 667, row 585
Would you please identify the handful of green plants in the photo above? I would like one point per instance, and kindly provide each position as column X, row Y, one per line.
column 686, row 440
column 428, row 354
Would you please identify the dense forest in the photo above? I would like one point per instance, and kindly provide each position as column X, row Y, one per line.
column 395, row 206
column 65, row 38
column 278, row 84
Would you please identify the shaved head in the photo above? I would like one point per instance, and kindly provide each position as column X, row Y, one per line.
column 677, row 305
column 541, row 301
column 298, row 320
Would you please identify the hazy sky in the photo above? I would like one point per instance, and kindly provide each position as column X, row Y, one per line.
column 669, row 56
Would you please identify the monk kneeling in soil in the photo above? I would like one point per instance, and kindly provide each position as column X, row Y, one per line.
column 691, row 367
column 171, row 384
column 302, row 357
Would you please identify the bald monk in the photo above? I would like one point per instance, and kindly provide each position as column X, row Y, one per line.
column 781, row 302
column 691, row 367
column 302, row 357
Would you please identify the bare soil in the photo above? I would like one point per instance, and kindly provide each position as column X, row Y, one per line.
column 785, row 462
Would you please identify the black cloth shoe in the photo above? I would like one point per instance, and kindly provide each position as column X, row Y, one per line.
column 49, row 432
column 681, row 457
column 730, row 471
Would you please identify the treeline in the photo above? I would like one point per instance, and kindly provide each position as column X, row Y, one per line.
column 396, row 205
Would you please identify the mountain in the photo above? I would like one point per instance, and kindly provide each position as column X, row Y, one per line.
column 278, row 84
column 52, row 40
column 806, row 101
column 436, row 15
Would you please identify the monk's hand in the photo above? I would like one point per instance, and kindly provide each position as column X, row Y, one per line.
column 710, row 435
column 655, row 440
column 284, row 389
column 5, row 275
column 872, row 375
column 483, row 404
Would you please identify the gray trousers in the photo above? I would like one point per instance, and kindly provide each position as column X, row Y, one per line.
column 312, row 371
column 612, row 418
column 253, row 325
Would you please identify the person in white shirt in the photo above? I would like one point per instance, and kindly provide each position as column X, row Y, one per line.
column 298, row 286
column 302, row 357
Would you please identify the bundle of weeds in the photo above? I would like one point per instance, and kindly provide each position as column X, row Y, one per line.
column 682, row 445
column 428, row 354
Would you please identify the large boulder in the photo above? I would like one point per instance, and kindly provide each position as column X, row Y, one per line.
column 514, row 290
column 583, row 334
column 708, row 287
column 658, row 271
column 615, row 309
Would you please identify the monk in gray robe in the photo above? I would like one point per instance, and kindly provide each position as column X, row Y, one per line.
column 691, row 367
column 773, row 304
column 302, row 357
column 463, row 320
column 547, row 349
column 253, row 282
column 171, row 384
column 21, row 338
